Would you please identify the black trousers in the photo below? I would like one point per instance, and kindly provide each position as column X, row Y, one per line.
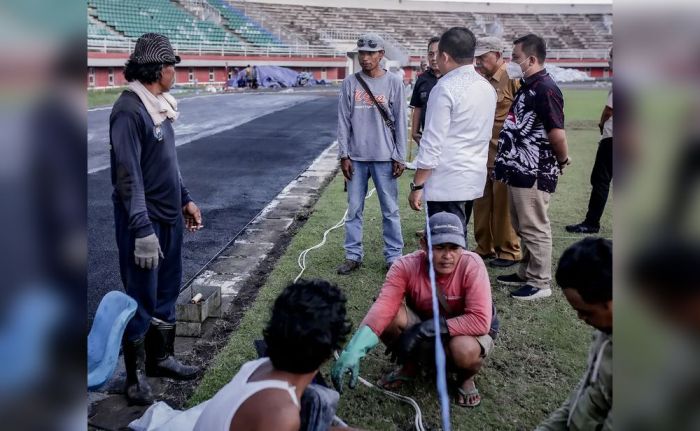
column 601, row 177
column 462, row 209
column 155, row 290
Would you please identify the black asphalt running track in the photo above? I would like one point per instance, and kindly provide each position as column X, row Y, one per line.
column 232, row 176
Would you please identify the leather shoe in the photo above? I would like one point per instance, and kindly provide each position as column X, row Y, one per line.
column 581, row 228
column 486, row 257
column 349, row 266
column 502, row 263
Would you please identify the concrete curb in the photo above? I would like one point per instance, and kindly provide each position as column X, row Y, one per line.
column 231, row 271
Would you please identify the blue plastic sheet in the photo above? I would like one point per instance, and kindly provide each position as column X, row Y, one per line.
column 277, row 77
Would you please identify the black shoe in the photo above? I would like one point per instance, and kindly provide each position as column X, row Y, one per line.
column 160, row 358
column 510, row 280
column 502, row 263
column 527, row 292
column 582, row 228
column 389, row 264
column 349, row 266
column 138, row 391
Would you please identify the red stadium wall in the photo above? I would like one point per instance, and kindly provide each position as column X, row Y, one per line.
column 99, row 77
column 102, row 77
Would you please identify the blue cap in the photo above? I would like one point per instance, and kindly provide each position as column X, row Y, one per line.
column 446, row 228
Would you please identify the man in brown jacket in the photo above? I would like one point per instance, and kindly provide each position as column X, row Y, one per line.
column 495, row 237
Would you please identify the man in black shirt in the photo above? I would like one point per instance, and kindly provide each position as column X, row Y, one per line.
column 150, row 200
column 532, row 153
column 421, row 91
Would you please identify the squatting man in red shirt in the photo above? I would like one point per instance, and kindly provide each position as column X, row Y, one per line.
column 402, row 315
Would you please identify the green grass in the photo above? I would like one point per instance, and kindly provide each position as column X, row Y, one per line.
column 539, row 354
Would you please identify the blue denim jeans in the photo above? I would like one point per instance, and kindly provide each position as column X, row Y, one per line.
column 387, row 190
column 318, row 407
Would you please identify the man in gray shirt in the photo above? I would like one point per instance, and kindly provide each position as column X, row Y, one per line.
column 368, row 147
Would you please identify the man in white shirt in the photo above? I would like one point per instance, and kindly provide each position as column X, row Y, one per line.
column 452, row 157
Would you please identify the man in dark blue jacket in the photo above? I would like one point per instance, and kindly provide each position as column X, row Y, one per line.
column 150, row 201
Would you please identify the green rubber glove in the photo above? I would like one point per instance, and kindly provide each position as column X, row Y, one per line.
column 349, row 361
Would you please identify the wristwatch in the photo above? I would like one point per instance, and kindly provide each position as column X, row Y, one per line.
column 415, row 187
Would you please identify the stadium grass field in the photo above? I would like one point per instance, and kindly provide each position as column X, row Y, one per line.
column 540, row 352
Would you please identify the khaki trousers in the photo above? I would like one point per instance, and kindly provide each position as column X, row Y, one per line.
column 528, row 212
column 493, row 230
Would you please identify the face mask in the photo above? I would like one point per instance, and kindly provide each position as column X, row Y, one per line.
column 514, row 71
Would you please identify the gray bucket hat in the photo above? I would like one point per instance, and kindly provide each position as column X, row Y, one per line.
column 488, row 44
column 446, row 228
column 154, row 48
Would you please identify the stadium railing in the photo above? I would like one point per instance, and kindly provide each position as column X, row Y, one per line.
column 106, row 45
column 552, row 54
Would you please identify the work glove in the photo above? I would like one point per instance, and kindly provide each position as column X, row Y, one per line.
column 419, row 333
column 349, row 361
column 147, row 252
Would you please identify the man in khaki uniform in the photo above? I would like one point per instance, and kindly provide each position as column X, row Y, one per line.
column 493, row 231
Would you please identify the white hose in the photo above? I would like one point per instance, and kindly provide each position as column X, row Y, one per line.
column 301, row 261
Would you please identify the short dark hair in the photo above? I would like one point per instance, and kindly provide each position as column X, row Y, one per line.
column 459, row 43
column 308, row 323
column 587, row 267
column 146, row 73
column 433, row 40
column 533, row 45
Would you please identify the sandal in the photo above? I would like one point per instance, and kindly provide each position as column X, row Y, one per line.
column 394, row 380
column 474, row 393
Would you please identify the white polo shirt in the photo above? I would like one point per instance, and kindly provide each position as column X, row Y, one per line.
column 455, row 141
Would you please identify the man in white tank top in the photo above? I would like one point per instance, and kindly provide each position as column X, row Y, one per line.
column 308, row 323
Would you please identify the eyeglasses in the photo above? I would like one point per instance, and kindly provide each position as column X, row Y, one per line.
column 370, row 43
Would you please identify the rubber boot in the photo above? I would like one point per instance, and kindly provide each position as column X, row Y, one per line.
column 160, row 354
column 138, row 391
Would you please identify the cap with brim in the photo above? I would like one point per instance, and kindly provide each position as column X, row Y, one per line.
column 154, row 48
column 446, row 228
column 488, row 44
column 371, row 42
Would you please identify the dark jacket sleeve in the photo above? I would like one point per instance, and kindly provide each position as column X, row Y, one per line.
column 184, row 193
column 126, row 144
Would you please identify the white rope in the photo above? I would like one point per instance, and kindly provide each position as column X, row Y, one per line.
column 418, row 421
column 301, row 261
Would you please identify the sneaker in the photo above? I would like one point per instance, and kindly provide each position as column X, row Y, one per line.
column 502, row 263
column 581, row 228
column 510, row 280
column 528, row 292
column 349, row 266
